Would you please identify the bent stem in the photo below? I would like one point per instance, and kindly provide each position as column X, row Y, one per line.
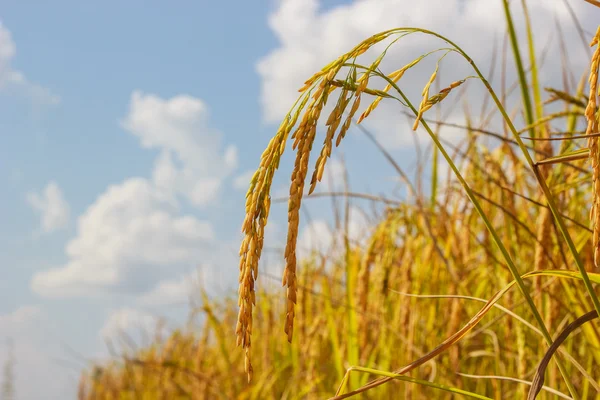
column 404, row 378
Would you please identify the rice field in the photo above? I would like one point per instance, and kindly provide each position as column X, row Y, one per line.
column 482, row 285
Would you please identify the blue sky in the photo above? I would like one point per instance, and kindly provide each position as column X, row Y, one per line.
column 128, row 131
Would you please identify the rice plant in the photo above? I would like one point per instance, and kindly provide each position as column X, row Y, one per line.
column 482, row 287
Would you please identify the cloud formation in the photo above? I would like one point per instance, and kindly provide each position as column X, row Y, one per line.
column 10, row 77
column 242, row 181
column 170, row 291
column 52, row 207
column 318, row 236
column 126, row 240
column 134, row 235
column 129, row 321
column 191, row 161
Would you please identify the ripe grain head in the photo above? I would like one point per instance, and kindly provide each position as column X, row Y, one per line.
column 592, row 127
column 313, row 98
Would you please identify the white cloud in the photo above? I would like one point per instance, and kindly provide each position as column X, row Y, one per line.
column 52, row 206
column 134, row 236
column 170, row 291
column 126, row 239
column 310, row 37
column 20, row 318
column 191, row 161
column 9, row 77
column 128, row 320
column 333, row 176
column 242, row 181
column 319, row 236
column 231, row 157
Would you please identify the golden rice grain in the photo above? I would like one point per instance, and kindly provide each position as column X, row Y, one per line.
column 592, row 127
column 429, row 102
column 425, row 95
column 394, row 77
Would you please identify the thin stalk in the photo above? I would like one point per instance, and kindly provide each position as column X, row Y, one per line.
column 535, row 85
column 520, row 69
column 434, row 177
column 351, row 276
column 413, row 380
column 511, row 379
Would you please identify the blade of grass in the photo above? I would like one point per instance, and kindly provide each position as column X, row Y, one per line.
column 511, row 379
column 414, row 380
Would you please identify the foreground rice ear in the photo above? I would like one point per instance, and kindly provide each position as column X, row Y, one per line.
column 592, row 127
column 317, row 89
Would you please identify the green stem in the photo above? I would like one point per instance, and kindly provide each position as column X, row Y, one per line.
column 413, row 380
column 520, row 70
column 434, row 177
